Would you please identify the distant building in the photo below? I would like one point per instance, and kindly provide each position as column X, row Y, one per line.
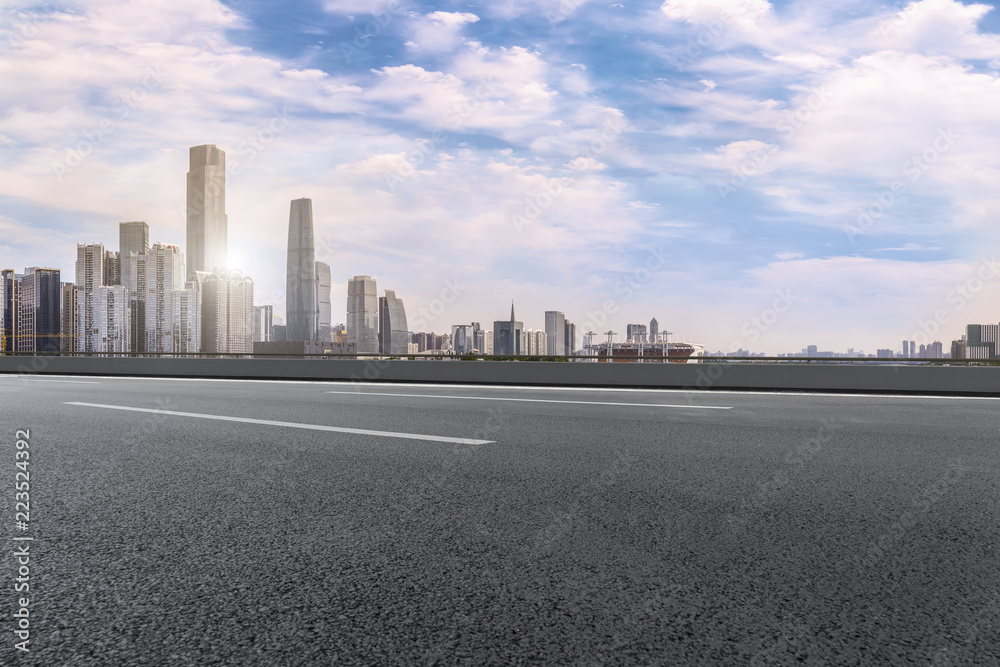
column 555, row 331
column 393, row 338
column 89, row 278
column 464, row 338
column 636, row 333
column 164, row 274
column 570, row 338
column 31, row 310
column 226, row 312
column 884, row 353
column 301, row 300
column 263, row 322
column 362, row 314
column 207, row 223
column 537, row 343
column 278, row 331
column 654, row 331
column 507, row 336
column 67, row 315
column 324, row 306
column 906, row 349
column 112, row 268
column 981, row 341
column 958, row 349
column 112, row 319
column 186, row 319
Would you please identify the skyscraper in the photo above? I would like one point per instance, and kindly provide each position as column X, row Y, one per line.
column 393, row 337
column 324, row 307
column 507, row 335
column 263, row 321
column 89, row 277
column 112, row 319
column 7, row 286
column 362, row 314
column 301, row 303
column 226, row 312
column 36, row 311
column 164, row 274
column 186, row 321
column 207, row 223
column 133, row 239
column 67, row 311
column 570, row 338
column 654, row 331
column 133, row 246
column 555, row 332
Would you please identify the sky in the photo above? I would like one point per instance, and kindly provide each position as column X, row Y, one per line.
column 756, row 175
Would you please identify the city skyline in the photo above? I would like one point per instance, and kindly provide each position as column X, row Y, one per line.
column 718, row 173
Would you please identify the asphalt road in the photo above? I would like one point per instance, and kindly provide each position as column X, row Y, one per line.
column 583, row 527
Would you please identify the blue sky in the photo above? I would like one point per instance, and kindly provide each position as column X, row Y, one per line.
column 753, row 174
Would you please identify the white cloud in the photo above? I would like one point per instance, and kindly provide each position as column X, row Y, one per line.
column 439, row 31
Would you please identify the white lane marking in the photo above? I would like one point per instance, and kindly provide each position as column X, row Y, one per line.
column 38, row 379
column 531, row 400
column 309, row 427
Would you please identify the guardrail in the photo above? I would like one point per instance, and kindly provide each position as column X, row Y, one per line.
column 778, row 374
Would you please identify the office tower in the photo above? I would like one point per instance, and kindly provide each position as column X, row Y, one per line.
column 112, row 268
column 981, row 341
column 7, row 310
column 488, row 342
column 913, row 348
column 67, row 312
column 112, row 319
column 89, row 277
column 362, row 314
column 164, row 274
column 636, row 333
column 186, row 320
column 393, row 338
column 906, row 349
column 226, row 311
column 278, row 332
column 324, row 307
column 133, row 239
column 207, row 224
column 37, row 313
column 958, row 349
column 478, row 338
column 507, row 336
column 654, row 331
column 263, row 321
column 301, row 302
column 570, row 338
column 555, row 331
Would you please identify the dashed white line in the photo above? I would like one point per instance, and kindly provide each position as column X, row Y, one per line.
column 534, row 400
column 308, row 427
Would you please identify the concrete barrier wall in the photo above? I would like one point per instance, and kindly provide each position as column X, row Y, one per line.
column 975, row 380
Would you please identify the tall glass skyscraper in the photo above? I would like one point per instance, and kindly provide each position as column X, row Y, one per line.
column 362, row 314
column 207, row 223
column 555, row 332
column 301, row 303
column 393, row 337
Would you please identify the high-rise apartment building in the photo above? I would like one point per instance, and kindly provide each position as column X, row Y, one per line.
column 207, row 223
column 67, row 312
column 112, row 319
column 89, row 278
column 133, row 246
column 362, row 314
column 393, row 338
column 536, row 343
column 263, row 322
column 112, row 268
column 301, row 301
column 186, row 319
column 324, row 307
column 164, row 274
column 555, row 332
column 226, row 312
